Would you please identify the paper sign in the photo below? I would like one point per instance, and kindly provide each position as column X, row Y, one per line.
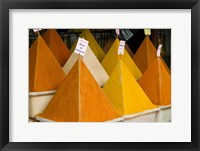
column 147, row 31
column 81, row 46
column 159, row 50
column 36, row 29
column 117, row 31
column 121, row 47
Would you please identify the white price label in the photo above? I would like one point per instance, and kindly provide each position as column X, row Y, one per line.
column 117, row 31
column 36, row 29
column 81, row 46
column 159, row 50
column 121, row 47
column 147, row 31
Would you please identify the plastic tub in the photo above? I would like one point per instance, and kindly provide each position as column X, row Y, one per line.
column 46, row 120
column 146, row 116
column 164, row 115
column 38, row 102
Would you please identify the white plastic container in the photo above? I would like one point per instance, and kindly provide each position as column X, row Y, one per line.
column 164, row 115
column 46, row 120
column 120, row 119
column 146, row 116
column 38, row 101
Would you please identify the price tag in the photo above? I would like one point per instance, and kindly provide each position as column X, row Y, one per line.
column 117, row 31
column 37, row 29
column 121, row 47
column 159, row 50
column 147, row 31
column 81, row 46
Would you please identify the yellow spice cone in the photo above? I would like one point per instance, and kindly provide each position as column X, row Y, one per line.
column 45, row 73
column 156, row 83
column 109, row 43
column 125, row 93
column 112, row 58
column 92, row 64
column 57, row 46
column 79, row 99
column 97, row 50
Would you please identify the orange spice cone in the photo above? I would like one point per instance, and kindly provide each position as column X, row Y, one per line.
column 166, row 67
column 145, row 55
column 112, row 58
column 109, row 43
column 79, row 99
column 125, row 93
column 128, row 49
column 95, row 47
column 57, row 46
column 92, row 64
column 156, row 83
column 45, row 73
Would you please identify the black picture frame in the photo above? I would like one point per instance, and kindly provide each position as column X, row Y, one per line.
column 5, row 5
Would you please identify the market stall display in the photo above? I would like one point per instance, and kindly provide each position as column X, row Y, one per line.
column 79, row 99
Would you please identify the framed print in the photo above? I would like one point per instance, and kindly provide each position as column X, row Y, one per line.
column 27, row 51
